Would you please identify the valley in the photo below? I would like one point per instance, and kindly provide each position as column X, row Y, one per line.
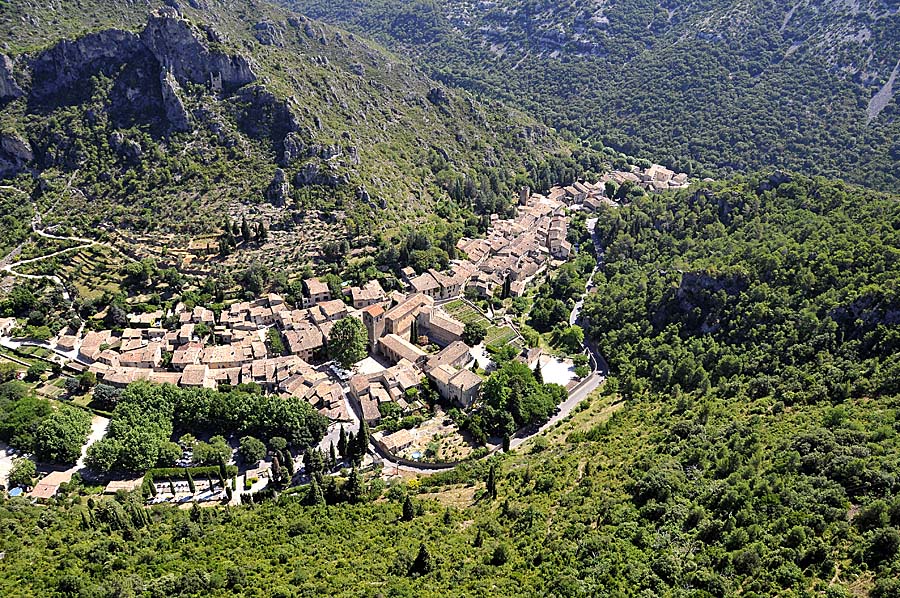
column 379, row 298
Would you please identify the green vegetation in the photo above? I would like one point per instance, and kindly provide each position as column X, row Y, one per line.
column 146, row 416
column 754, row 287
column 705, row 87
column 348, row 341
column 513, row 399
column 22, row 473
column 53, row 432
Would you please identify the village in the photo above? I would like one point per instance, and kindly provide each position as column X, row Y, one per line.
column 413, row 337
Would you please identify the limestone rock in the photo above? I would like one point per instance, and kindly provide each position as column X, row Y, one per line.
column 294, row 148
column 268, row 34
column 59, row 73
column 9, row 89
column 172, row 41
column 279, row 189
column 312, row 174
column 438, row 96
column 177, row 116
column 15, row 154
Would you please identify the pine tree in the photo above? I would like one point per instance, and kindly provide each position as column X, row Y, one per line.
column 342, row 443
column 479, row 540
column 409, row 510
column 245, row 230
column 262, row 235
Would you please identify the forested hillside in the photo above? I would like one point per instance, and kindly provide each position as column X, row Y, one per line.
column 114, row 116
column 713, row 87
column 747, row 443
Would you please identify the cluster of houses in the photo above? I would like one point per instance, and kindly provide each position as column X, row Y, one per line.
column 652, row 178
column 204, row 349
column 398, row 334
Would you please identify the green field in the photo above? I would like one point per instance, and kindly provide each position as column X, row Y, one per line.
column 497, row 336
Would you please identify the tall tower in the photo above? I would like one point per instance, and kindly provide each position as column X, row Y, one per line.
column 373, row 320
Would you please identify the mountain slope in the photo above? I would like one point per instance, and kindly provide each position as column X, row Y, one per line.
column 724, row 85
column 160, row 120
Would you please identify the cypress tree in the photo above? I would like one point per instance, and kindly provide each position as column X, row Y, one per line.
column 492, row 481
column 342, row 443
column 245, row 230
column 276, row 469
column 353, row 489
column 409, row 510
column 288, row 462
column 332, row 456
column 315, row 496
column 423, row 563
column 538, row 375
column 172, row 486
column 190, row 481
column 362, row 440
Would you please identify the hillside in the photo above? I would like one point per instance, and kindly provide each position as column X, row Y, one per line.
column 154, row 125
column 747, row 443
column 706, row 86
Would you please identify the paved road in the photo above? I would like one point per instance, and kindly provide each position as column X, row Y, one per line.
column 578, row 394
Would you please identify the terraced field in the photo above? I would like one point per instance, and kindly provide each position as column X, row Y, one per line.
column 90, row 271
column 497, row 336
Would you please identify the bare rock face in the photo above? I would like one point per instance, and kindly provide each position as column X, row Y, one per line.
column 438, row 96
column 294, row 148
column 9, row 89
column 312, row 174
column 279, row 189
column 178, row 117
column 268, row 34
column 15, row 154
column 173, row 42
column 58, row 75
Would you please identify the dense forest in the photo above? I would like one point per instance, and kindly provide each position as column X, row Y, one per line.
column 713, row 87
column 746, row 444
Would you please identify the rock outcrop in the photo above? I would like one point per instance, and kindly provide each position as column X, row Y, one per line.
column 173, row 42
column 294, row 148
column 59, row 74
column 279, row 189
column 268, row 34
column 9, row 89
column 148, row 70
column 312, row 174
column 177, row 116
column 15, row 154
